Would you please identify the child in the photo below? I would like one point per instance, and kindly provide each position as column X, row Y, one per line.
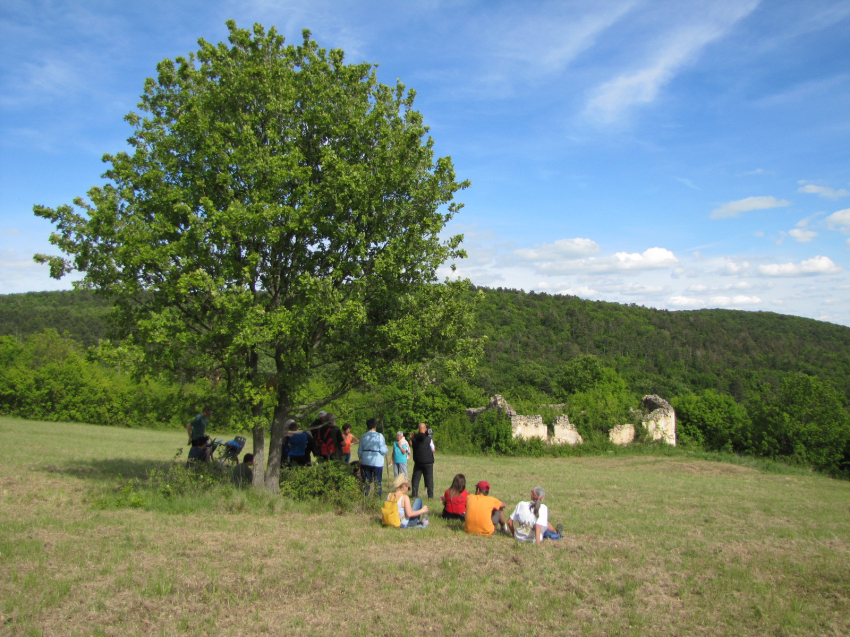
column 347, row 440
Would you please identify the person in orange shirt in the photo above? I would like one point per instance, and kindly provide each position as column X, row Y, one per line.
column 347, row 440
column 484, row 512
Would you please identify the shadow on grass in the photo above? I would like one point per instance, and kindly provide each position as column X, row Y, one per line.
column 108, row 469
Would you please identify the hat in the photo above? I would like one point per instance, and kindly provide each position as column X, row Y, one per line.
column 321, row 414
column 483, row 485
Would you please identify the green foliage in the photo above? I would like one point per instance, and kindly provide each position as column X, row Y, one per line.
column 580, row 374
column 711, row 420
column 491, row 432
column 803, row 420
column 331, row 482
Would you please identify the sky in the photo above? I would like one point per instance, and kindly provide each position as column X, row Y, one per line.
column 672, row 154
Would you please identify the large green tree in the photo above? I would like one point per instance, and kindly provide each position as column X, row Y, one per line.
column 278, row 205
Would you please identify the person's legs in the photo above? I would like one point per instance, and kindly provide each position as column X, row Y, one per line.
column 347, row 457
column 368, row 474
column 417, row 476
column 428, row 471
column 416, row 504
column 551, row 535
column 396, row 469
column 498, row 518
column 379, row 472
column 402, row 466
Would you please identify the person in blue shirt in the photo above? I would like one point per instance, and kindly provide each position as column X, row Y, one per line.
column 401, row 450
column 197, row 427
column 371, row 452
column 296, row 446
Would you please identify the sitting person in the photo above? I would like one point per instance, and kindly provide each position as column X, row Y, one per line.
column 454, row 501
column 411, row 515
column 200, row 451
column 484, row 512
column 243, row 473
column 530, row 520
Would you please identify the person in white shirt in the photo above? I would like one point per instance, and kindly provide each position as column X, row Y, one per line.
column 530, row 520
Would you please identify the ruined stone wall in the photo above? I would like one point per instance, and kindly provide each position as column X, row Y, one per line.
column 565, row 432
column 660, row 422
column 622, row 434
column 529, row 427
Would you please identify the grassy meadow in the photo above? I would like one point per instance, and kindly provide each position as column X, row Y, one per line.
column 654, row 545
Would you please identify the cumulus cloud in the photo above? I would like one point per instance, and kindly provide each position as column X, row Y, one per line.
column 738, row 299
column 732, row 268
column 809, row 267
column 561, row 249
column 839, row 221
column 802, row 235
column 685, row 301
column 583, row 291
column 652, row 259
column 822, row 191
column 697, row 288
column 735, row 208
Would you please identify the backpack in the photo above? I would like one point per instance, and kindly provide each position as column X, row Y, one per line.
column 389, row 512
column 327, row 447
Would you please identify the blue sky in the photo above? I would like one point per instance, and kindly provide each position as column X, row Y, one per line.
column 677, row 154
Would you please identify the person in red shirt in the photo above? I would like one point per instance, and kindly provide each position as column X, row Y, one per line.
column 454, row 500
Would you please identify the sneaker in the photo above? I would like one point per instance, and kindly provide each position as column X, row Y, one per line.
column 559, row 529
column 507, row 531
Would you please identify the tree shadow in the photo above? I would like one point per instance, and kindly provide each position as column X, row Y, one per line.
column 108, row 469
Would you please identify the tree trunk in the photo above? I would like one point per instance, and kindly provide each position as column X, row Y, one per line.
column 259, row 455
column 275, row 449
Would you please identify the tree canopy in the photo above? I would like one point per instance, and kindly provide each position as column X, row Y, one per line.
column 278, row 205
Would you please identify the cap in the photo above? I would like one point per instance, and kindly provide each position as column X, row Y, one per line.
column 322, row 414
column 483, row 485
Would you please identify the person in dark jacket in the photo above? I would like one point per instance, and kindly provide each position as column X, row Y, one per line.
column 423, row 460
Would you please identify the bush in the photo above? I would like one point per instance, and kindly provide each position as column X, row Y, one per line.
column 332, row 482
column 711, row 420
column 491, row 432
column 803, row 420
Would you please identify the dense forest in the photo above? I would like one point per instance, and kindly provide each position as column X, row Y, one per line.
column 750, row 382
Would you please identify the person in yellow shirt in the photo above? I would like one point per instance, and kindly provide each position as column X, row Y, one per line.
column 484, row 512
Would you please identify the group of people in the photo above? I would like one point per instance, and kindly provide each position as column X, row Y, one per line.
column 480, row 513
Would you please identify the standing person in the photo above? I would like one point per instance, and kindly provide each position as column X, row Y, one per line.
column 329, row 440
column 348, row 439
column 423, row 459
column 410, row 515
column 297, row 446
column 200, row 450
column 313, row 431
column 401, row 451
column 371, row 452
column 484, row 512
column 454, row 500
column 530, row 520
column 197, row 427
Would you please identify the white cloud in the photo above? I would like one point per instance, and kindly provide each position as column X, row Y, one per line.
column 731, row 268
column 809, row 267
column 685, row 301
column 839, row 221
column 823, row 191
column 641, row 85
column 801, row 235
column 697, row 288
column 583, row 291
column 738, row 299
column 740, row 285
column 652, row 259
column 561, row 249
column 735, row 208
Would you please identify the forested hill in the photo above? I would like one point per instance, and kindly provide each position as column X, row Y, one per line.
column 531, row 335
column 657, row 351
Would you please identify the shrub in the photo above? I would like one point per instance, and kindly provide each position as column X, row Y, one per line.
column 712, row 420
column 332, row 482
column 803, row 420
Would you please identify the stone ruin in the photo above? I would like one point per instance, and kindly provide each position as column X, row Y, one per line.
column 528, row 427
column 660, row 422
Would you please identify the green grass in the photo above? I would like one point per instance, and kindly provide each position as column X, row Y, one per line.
column 655, row 545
